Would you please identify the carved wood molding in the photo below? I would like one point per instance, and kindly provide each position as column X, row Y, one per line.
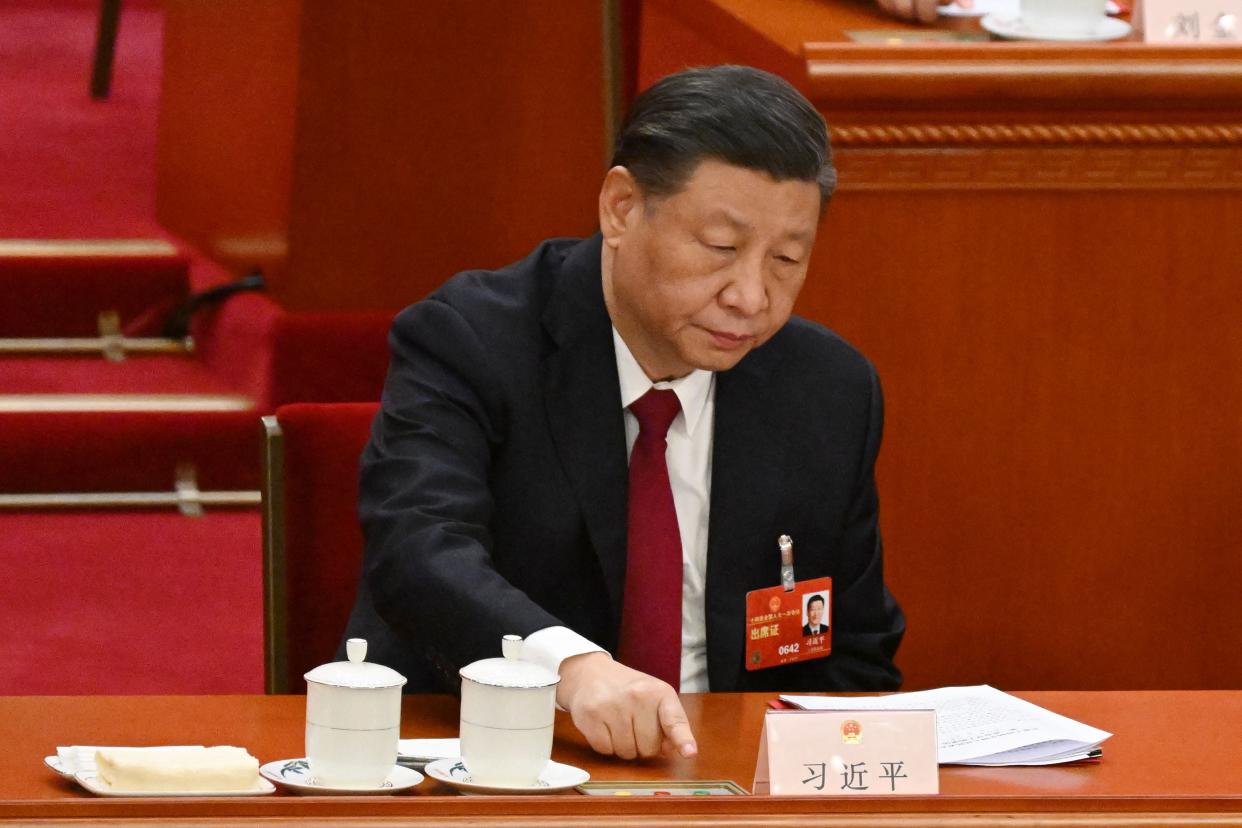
column 847, row 77
column 888, row 135
column 1051, row 167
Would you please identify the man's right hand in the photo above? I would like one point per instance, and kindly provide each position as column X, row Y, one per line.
column 622, row 711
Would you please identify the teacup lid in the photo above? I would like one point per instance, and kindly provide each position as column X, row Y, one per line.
column 509, row 671
column 356, row 672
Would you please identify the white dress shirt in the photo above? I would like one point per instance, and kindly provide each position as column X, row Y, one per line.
column 689, row 459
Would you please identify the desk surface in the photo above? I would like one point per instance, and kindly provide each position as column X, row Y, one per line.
column 1174, row 758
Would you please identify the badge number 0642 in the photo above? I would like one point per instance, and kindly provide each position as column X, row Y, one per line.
column 787, row 626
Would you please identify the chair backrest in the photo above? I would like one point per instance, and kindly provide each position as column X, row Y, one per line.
column 329, row 356
column 116, row 451
column 59, row 288
column 312, row 543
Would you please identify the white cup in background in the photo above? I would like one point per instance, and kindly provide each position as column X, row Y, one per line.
column 1063, row 17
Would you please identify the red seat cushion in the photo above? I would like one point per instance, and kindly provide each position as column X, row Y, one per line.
column 330, row 357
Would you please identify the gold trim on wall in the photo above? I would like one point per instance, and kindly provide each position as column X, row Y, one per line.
column 1135, row 168
column 874, row 135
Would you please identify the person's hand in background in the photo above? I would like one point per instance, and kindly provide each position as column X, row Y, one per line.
column 924, row 11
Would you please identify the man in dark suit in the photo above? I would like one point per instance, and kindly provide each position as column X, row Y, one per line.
column 496, row 495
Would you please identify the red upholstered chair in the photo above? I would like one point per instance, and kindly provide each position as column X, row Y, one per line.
column 60, row 288
column 82, row 327
column 329, row 356
column 312, row 541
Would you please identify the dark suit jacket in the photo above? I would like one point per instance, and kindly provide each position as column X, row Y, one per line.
column 493, row 490
column 806, row 630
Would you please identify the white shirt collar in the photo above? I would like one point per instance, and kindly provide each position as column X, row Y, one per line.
column 692, row 390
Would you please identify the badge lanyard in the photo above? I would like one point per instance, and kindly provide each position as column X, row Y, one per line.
column 790, row 622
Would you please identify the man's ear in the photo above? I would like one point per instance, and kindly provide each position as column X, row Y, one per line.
column 619, row 199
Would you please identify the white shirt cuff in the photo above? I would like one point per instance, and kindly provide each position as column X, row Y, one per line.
column 552, row 645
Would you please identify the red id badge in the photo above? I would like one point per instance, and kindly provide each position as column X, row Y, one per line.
column 788, row 626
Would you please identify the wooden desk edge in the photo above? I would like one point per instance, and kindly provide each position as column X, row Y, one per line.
column 573, row 809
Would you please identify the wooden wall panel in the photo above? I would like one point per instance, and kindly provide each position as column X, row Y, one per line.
column 1062, row 442
column 437, row 136
column 225, row 144
column 380, row 146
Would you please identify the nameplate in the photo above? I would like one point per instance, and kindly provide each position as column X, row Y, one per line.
column 847, row 753
column 1206, row 22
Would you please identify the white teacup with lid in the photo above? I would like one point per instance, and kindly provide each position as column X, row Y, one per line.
column 353, row 720
column 508, row 707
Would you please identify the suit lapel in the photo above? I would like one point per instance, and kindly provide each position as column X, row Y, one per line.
column 746, row 476
column 583, row 399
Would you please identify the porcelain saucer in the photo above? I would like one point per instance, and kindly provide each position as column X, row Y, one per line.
column 295, row 775
column 555, row 777
column 53, row 762
column 1014, row 28
column 416, row 753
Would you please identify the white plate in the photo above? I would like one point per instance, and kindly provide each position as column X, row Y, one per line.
column 555, row 777
column 53, row 762
column 418, row 752
column 90, row 781
column 295, row 775
column 1013, row 28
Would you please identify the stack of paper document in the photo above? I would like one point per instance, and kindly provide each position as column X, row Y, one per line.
column 981, row 725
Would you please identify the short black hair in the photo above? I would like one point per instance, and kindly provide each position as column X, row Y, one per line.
column 813, row 599
column 736, row 114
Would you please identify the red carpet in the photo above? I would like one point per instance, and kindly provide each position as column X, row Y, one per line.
column 131, row 602
column 74, row 167
column 114, row 601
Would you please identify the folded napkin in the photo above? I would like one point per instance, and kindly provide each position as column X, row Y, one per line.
column 220, row 768
column 74, row 758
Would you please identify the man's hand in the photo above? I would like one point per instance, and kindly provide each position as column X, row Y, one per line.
column 924, row 11
column 623, row 711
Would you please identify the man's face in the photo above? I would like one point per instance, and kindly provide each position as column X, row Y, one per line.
column 699, row 278
column 814, row 613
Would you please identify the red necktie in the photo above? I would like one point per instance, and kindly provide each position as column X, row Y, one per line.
column 651, row 608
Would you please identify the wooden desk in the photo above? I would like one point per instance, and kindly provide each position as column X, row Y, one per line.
column 1038, row 246
column 1174, row 760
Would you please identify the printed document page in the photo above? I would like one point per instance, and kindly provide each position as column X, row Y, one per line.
column 981, row 725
